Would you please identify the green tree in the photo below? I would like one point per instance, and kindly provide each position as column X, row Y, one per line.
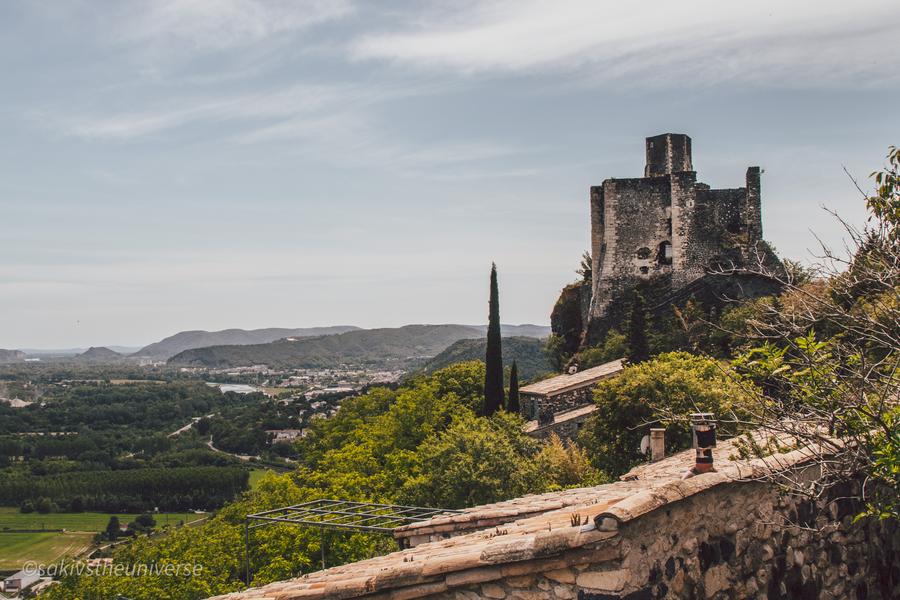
column 493, row 376
column 564, row 464
column 512, row 404
column 44, row 505
column 664, row 389
column 614, row 347
column 884, row 204
column 638, row 347
column 146, row 521
column 112, row 528
column 829, row 368
column 476, row 460
column 555, row 352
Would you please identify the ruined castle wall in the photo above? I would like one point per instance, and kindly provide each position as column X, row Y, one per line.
column 740, row 540
column 717, row 232
column 753, row 207
column 631, row 223
column 668, row 153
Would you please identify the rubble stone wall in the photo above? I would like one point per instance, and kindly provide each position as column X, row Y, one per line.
column 534, row 404
column 740, row 540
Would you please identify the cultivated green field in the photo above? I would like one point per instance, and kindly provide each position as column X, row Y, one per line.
column 255, row 476
column 17, row 548
column 47, row 547
column 11, row 518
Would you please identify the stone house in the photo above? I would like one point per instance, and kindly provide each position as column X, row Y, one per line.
column 562, row 403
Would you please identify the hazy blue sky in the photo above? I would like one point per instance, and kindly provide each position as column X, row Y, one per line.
column 203, row 164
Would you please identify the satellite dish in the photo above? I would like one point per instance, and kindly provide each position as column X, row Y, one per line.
column 645, row 445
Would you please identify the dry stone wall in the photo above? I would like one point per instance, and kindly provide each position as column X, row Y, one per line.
column 719, row 535
column 536, row 405
column 742, row 540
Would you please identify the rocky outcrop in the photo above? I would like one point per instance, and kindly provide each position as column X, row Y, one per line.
column 570, row 315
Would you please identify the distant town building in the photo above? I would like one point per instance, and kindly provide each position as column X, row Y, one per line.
column 16, row 402
column 286, row 435
column 19, row 582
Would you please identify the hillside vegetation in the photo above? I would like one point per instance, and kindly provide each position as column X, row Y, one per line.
column 528, row 353
column 422, row 443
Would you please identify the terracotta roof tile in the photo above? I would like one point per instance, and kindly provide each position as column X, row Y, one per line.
column 546, row 537
column 563, row 383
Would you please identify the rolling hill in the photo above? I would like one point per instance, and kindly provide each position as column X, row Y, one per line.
column 524, row 330
column 527, row 351
column 188, row 340
column 398, row 347
column 99, row 355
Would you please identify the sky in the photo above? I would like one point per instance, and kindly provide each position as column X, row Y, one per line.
column 204, row 164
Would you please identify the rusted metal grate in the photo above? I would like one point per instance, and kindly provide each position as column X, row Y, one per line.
column 341, row 514
column 327, row 513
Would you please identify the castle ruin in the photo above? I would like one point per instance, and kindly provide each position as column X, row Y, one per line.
column 670, row 236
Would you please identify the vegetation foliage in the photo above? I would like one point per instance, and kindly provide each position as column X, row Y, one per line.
column 422, row 443
column 650, row 394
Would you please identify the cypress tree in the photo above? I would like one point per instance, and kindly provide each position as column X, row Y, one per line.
column 493, row 360
column 512, row 402
column 638, row 347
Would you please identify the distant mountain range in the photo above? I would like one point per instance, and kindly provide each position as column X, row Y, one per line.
column 11, row 356
column 528, row 353
column 188, row 340
column 69, row 352
column 290, row 347
column 399, row 347
column 526, row 330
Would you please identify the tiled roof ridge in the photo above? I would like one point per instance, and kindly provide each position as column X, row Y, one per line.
column 560, row 417
column 565, row 381
column 546, row 541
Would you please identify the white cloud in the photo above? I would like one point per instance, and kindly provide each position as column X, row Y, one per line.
column 802, row 42
column 281, row 103
column 216, row 24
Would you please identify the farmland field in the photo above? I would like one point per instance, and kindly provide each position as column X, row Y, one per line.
column 255, row 476
column 17, row 548
column 11, row 518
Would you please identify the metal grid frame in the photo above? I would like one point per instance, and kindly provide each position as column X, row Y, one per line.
column 328, row 513
column 342, row 514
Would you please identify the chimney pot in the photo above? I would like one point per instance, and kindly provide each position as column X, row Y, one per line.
column 704, row 429
column 657, row 444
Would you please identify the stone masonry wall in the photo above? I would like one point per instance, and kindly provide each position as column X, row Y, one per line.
column 533, row 405
column 736, row 541
column 631, row 219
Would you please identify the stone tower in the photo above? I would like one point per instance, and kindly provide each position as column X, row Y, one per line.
column 669, row 228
